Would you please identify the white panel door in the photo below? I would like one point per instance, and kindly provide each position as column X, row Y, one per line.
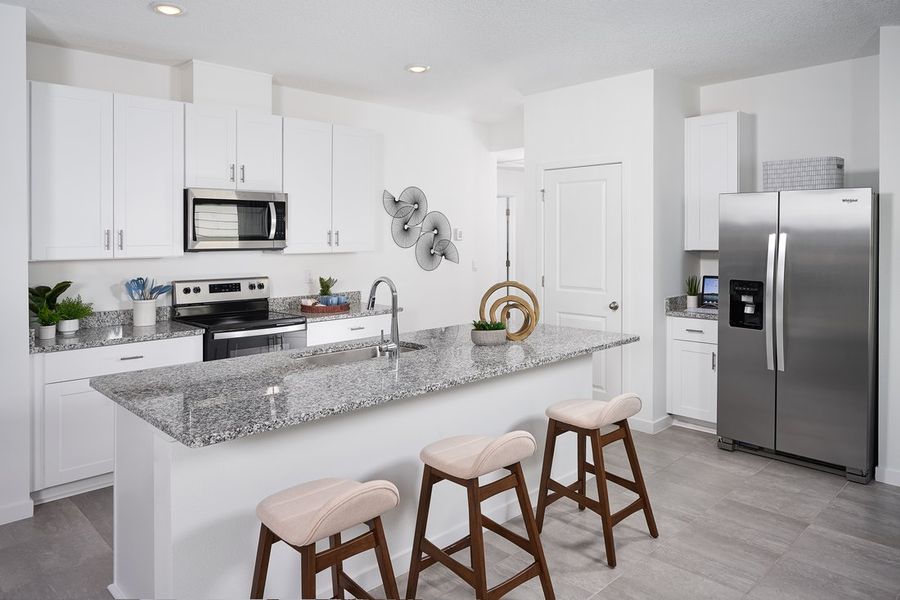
column 209, row 146
column 356, row 189
column 149, row 177
column 692, row 380
column 79, row 429
column 259, row 148
column 583, row 259
column 307, row 183
column 71, row 172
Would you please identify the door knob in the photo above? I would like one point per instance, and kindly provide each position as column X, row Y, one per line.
column 613, row 305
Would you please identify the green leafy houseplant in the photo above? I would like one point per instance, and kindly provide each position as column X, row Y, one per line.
column 43, row 295
column 74, row 308
column 487, row 326
column 325, row 285
column 692, row 285
column 47, row 316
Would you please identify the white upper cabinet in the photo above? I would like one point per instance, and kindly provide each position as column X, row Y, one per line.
column 71, row 173
column 333, row 179
column 717, row 160
column 259, row 147
column 149, row 177
column 227, row 148
column 307, row 183
column 210, row 150
column 357, row 185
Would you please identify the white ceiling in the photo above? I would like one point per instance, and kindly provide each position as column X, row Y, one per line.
column 485, row 54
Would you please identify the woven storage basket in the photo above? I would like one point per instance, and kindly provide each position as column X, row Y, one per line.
column 822, row 173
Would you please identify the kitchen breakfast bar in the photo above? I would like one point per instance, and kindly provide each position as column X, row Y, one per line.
column 199, row 445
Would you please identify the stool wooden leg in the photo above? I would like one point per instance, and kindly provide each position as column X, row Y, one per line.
column 533, row 536
column 603, row 492
column 582, row 471
column 549, row 447
column 419, row 535
column 337, row 591
column 384, row 561
column 639, row 478
column 260, row 571
column 308, row 571
column 476, row 534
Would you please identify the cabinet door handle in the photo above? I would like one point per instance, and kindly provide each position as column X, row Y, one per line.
column 135, row 357
column 360, row 328
column 106, row 238
column 231, row 178
column 337, row 238
column 694, row 330
column 121, row 239
column 713, row 361
column 243, row 172
column 329, row 237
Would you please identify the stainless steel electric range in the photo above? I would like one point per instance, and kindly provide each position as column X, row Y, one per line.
column 236, row 317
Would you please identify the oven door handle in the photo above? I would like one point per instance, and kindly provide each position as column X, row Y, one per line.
column 273, row 221
column 245, row 333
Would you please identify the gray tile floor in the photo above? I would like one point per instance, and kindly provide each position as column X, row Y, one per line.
column 731, row 525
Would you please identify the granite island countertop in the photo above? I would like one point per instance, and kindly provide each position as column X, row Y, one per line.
column 201, row 404
column 112, row 335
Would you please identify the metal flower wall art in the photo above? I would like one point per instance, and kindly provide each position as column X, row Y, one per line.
column 413, row 225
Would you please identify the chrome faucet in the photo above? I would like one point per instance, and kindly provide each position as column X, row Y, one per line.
column 392, row 348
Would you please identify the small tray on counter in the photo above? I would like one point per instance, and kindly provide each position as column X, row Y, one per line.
column 321, row 309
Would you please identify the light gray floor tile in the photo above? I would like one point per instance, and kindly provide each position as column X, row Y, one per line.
column 661, row 581
column 871, row 512
column 97, row 506
column 751, row 525
column 791, row 579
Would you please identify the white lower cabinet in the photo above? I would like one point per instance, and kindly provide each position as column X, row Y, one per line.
column 692, row 371
column 342, row 330
column 74, row 425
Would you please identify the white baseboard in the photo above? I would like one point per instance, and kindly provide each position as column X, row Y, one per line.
column 652, row 427
column 57, row 492
column 115, row 592
column 695, row 425
column 888, row 476
column 16, row 511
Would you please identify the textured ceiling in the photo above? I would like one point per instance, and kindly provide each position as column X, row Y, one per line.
column 485, row 54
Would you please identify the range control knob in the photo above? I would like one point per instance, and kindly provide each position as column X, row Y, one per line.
column 252, row 286
column 186, row 290
column 261, row 285
column 196, row 290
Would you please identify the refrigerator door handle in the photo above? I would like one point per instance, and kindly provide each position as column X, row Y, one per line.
column 770, row 322
column 779, row 301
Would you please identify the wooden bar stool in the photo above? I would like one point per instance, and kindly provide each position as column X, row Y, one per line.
column 586, row 418
column 462, row 460
column 304, row 514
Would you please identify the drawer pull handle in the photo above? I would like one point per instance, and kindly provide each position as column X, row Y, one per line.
column 694, row 330
column 360, row 328
column 135, row 357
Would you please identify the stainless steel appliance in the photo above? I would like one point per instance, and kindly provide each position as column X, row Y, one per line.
column 798, row 326
column 234, row 220
column 235, row 314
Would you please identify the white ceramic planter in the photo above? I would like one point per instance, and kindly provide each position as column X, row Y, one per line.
column 495, row 337
column 46, row 332
column 144, row 313
column 68, row 326
column 692, row 301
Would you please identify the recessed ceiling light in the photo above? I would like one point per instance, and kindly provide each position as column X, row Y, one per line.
column 169, row 10
column 418, row 68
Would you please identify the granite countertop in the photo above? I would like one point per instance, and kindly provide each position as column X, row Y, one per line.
column 111, row 335
column 676, row 306
column 202, row 404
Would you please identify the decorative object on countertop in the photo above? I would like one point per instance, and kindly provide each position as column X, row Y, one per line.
column 326, row 298
column 71, row 311
column 324, row 309
column 143, row 295
column 43, row 295
column 47, row 319
column 820, row 173
column 488, row 333
column 506, row 304
column 413, row 225
column 692, row 288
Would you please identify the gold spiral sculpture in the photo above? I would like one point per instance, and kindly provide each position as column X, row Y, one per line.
column 508, row 303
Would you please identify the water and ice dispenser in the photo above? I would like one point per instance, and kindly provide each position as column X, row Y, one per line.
column 745, row 304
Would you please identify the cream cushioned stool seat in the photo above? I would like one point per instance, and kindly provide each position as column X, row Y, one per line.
column 314, row 510
column 470, row 456
column 594, row 414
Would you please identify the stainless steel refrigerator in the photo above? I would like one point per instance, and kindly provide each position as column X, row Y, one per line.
column 798, row 326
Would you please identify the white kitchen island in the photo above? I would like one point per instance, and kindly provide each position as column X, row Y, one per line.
column 198, row 446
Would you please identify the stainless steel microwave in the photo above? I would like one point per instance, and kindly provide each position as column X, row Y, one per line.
column 234, row 220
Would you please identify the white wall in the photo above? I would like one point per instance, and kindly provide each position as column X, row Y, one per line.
column 448, row 158
column 15, row 403
column 889, row 314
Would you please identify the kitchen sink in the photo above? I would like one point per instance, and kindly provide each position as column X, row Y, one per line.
column 348, row 356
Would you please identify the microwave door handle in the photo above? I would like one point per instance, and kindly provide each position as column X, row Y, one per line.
column 779, row 301
column 273, row 221
column 767, row 307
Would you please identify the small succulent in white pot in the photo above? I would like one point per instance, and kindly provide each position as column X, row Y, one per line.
column 71, row 311
column 488, row 333
column 47, row 320
column 692, row 288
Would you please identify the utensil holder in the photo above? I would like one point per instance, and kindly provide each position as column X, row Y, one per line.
column 144, row 313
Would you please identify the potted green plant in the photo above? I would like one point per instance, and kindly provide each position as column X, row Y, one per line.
column 326, row 298
column 692, row 288
column 43, row 295
column 71, row 311
column 488, row 333
column 47, row 319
